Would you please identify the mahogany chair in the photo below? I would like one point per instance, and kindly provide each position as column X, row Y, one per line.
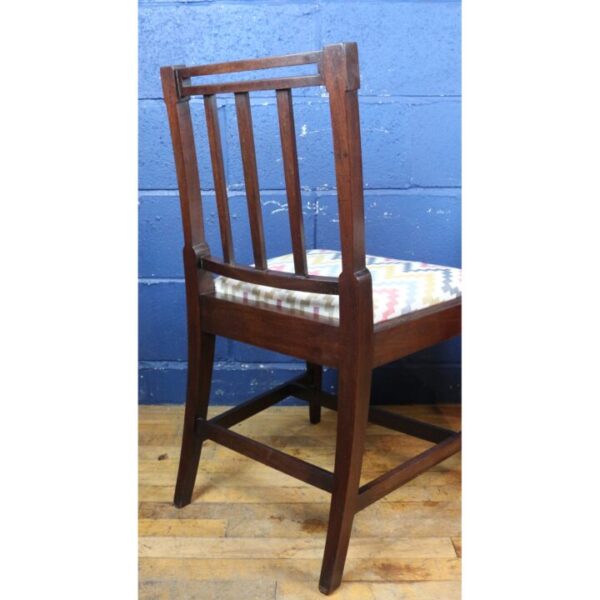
column 317, row 306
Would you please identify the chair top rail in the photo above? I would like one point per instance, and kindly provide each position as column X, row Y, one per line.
column 288, row 60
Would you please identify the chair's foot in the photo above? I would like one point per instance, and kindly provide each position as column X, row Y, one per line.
column 188, row 467
column 200, row 363
column 325, row 590
column 315, row 373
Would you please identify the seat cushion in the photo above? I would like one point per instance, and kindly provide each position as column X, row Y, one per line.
column 399, row 286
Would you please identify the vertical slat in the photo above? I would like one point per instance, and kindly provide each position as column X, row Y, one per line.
column 292, row 178
column 216, row 154
column 244, row 116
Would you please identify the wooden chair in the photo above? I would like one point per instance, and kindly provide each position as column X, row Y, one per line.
column 351, row 342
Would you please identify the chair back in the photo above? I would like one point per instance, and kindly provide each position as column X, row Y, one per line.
column 336, row 69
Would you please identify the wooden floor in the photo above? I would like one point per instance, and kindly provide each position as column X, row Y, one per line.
column 254, row 533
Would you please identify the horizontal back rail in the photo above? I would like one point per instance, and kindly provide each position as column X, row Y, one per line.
column 255, row 85
column 316, row 284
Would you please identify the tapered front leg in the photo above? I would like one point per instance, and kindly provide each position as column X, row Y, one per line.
column 353, row 408
column 315, row 373
column 201, row 350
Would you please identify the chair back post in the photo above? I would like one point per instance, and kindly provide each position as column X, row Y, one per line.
column 341, row 74
column 188, row 179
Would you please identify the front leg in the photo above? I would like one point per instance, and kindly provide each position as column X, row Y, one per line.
column 353, row 408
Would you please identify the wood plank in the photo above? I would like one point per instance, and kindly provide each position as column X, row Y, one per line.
column 383, row 453
column 422, row 590
column 300, row 512
column 379, row 440
column 270, row 527
column 303, row 493
column 381, row 448
column 402, row 519
column 225, row 461
column 252, row 474
column 172, row 589
column 296, row 548
column 210, row 528
column 357, row 569
column 169, row 453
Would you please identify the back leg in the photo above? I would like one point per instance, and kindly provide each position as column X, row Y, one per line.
column 315, row 373
column 201, row 351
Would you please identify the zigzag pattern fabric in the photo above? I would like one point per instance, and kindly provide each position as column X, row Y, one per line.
column 399, row 286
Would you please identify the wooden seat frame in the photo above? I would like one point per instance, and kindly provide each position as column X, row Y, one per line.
column 354, row 346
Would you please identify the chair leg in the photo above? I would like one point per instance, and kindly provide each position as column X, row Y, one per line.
column 353, row 408
column 315, row 373
column 200, row 365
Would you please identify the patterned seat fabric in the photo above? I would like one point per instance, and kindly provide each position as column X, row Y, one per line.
column 399, row 286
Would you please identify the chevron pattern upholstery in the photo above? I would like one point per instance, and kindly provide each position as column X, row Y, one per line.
column 399, row 287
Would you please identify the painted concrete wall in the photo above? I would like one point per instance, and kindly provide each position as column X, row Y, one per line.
column 410, row 120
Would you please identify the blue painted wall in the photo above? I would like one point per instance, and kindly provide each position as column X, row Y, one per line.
column 410, row 117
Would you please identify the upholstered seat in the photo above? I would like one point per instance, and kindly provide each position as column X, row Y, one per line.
column 399, row 286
